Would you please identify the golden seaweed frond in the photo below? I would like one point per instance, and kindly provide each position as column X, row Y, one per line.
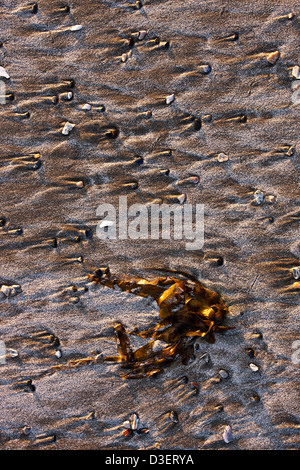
column 187, row 311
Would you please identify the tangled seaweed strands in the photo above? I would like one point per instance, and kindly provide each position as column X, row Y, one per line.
column 188, row 310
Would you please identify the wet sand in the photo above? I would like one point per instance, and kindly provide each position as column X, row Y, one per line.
column 245, row 105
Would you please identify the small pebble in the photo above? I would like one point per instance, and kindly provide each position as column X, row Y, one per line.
column 10, row 291
column 296, row 272
column 86, row 107
column 270, row 199
column 26, row 430
column 173, row 416
column 296, row 72
column 170, row 99
column 253, row 367
column 67, row 128
column 259, row 197
column 205, row 69
column 76, row 27
column 273, row 57
column 141, row 35
column 80, row 184
column 181, row 198
column 3, row 73
column 67, row 96
column 135, row 421
column 223, row 374
column 58, row 354
column 13, row 353
column 222, row 157
column 227, row 434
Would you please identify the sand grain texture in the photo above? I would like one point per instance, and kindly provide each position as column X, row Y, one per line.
column 40, row 194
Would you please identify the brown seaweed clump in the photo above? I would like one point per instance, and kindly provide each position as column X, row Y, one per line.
column 188, row 310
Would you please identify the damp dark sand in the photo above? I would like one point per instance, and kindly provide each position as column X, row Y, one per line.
column 54, row 195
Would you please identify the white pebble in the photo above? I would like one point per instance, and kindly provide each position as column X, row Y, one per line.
column 58, row 354
column 124, row 57
column 223, row 373
column 296, row 72
column 10, row 291
column 181, row 198
column 253, row 367
column 134, row 419
column 67, row 128
column 142, row 34
column 3, row 73
column 296, row 272
column 170, row 99
column 86, row 107
column 259, row 197
column 222, row 157
column 13, row 353
column 227, row 434
column 76, row 27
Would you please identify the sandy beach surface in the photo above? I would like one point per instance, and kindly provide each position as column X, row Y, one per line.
column 230, row 68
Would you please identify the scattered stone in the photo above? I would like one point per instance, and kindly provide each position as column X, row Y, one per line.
column 222, row 157
column 26, row 430
column 270, row 199
column 76, row 27
column 273, row 57
column 67, row 128
column 3, row 73
column 259, row 197
column 86, row 107
column 223, row 374
column 170, row 99
column 13, row 353
column 58, row 354
column 80, row 184
column 296, row 72
column 134, row 421
column 67, row 96
column 173, row 416
column 132, row 425
column 253, row 367
column 296, row 272
column 227, row 434
column 205, row 69
column 141, row 35
column 10, row 291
